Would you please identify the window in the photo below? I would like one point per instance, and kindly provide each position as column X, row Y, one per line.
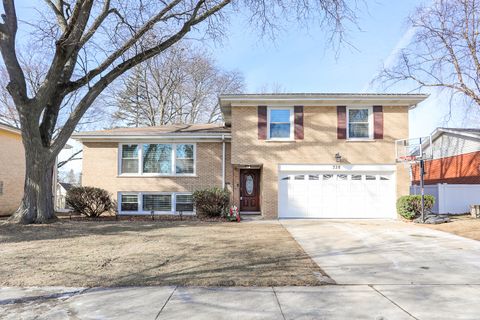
column 130, row 158
column 280, row 123
column 129, row 202
column 1, row 188
column 157, row 202
column 184, row 159
column 359, row 123
column 157, row 159
column 184, row 202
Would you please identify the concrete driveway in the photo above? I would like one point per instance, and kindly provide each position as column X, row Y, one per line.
column 427, row 273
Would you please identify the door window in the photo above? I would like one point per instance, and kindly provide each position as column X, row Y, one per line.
column 249, row 184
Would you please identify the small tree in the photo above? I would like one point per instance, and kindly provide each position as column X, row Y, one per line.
column 90, row 201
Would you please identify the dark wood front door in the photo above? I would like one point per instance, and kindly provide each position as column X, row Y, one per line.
column 250, row 190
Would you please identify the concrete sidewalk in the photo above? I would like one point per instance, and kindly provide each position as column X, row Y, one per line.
column 327, row 302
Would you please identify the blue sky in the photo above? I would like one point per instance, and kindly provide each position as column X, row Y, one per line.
column 300, row 60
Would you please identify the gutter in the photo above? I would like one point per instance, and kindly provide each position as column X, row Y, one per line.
column 81, row 137
column 223, row 161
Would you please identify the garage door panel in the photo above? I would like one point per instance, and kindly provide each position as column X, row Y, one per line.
column 337, row 195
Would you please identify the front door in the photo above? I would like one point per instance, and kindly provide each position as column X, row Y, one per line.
column 250, row 190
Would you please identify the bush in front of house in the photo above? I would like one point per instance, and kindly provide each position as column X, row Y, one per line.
column 211, row 202
column 410, row 207
column 90, row 201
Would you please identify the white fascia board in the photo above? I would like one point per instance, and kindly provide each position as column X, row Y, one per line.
column 323, row 100
column 116, row 138
column 336, row 167
column 460, row 133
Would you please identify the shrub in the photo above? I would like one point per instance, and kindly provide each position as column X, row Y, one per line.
column 410, row 207
column 211, row 202
column 90, row 201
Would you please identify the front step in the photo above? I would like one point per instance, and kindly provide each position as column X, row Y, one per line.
column 249, row 215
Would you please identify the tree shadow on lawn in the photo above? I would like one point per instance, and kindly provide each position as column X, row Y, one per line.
column 15, row 233
column 280, row 270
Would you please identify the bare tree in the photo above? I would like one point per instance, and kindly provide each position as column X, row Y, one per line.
column 445, row 50
column 91, row 43
column 179, row 86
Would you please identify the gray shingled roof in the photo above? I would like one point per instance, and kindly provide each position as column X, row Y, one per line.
column 180, row 129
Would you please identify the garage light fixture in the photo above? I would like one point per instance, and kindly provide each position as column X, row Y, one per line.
column 338, row 157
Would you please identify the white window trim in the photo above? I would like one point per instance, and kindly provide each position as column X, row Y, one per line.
column 119, row 202
column 292, row 124
column 173, row 170
column 140, row 204
column 370, row 123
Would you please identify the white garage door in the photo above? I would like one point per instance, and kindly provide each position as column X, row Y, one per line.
column 337, row 194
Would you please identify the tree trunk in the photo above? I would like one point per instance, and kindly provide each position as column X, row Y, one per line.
column 37, row 203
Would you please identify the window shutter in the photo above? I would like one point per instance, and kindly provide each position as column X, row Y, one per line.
column 298, row 122
column 262, row 122
column 341, row 122
column 378, row 122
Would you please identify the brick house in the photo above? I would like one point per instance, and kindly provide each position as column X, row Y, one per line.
column 12, row 169
column 280, row 155
column 453, row 173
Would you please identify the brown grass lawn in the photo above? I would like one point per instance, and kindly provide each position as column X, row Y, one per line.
column 463, row 225
column 125, row 253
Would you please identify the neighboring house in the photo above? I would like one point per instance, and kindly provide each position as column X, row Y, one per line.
column 61, row 194
column 453, row 173
column 280, row 155
column 12, row 169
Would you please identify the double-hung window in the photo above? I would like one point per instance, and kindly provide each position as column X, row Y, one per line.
column 184, row 159
column 157, row 159
column 280, row 123
column 129, row 202
column 359, row 123
column 184, row 202
column 130, row 158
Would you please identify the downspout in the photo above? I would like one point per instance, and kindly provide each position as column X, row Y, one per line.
column 223, row 161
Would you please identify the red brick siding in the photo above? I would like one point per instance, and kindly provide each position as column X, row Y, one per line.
column 460, row 169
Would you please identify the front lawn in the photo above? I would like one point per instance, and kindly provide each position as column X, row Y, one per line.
column 126, row 253
column 462, row 225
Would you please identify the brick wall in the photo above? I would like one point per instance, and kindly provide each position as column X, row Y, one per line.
column 12, row 171
column 319, row 146
column 100, row 169
column 460, row 169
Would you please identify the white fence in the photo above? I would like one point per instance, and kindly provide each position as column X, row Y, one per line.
column 451, row 198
